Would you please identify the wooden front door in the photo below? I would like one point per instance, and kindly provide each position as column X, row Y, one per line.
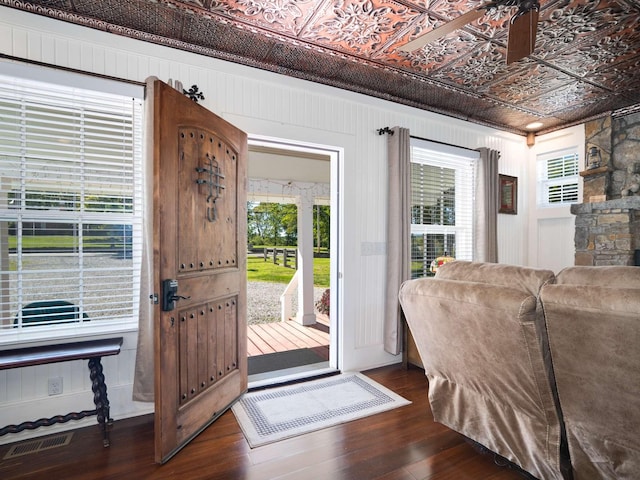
column 199, row 267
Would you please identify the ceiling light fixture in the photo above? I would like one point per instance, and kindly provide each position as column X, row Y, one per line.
column 533, row 125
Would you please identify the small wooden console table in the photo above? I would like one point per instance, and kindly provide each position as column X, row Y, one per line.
column 92, row 350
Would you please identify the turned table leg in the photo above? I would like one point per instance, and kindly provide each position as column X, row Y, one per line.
column 100, row 397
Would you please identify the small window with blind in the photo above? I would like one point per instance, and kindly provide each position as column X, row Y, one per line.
column 70, row 206
column 558, row 178
column 442, row 193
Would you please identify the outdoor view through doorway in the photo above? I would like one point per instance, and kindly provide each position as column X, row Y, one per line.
column 289, row 262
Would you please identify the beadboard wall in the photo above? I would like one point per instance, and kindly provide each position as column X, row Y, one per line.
column 263, row 104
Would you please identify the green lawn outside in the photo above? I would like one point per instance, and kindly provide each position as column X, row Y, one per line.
column 257, row 268
column 290, row 247
column 260, row 271
column 61, row 241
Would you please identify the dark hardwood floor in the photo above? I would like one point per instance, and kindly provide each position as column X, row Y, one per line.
column 402, row 444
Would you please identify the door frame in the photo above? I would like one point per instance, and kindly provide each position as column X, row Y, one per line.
column 336, row 155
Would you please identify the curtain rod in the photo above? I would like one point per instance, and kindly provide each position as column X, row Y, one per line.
column 443, row 143
column 69, row 69
column 382, row 131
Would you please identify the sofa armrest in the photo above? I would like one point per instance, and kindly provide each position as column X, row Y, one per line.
column 475, row 334
column 487, row 379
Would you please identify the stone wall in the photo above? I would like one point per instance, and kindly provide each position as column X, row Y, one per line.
column 625, row 155
column 608, row 220
column 618, row 141
column 607, row 233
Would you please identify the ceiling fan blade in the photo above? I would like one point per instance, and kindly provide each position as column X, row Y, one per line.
column 522, row 36
column 443, row 30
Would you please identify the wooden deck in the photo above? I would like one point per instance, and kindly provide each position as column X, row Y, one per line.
column 275, row 337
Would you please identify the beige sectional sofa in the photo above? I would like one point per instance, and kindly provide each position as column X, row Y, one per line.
column 592, row 316
column 502, row 348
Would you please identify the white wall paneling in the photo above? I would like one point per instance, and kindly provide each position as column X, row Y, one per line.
column 267, row 104
column 552, row 228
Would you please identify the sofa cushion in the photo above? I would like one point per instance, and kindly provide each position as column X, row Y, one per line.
column 603, row 276
column 526, row 279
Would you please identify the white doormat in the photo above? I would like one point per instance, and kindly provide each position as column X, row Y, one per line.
column 267, row 416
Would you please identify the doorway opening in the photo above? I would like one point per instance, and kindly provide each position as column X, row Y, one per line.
column 292, row 287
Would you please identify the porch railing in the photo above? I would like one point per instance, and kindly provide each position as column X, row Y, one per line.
column 286, row 299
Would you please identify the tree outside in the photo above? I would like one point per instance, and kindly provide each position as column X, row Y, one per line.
column 276, row 224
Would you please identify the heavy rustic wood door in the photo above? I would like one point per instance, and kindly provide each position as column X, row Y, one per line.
column 199, row 267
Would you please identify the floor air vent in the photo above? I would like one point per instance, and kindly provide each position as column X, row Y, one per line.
column 38, row 445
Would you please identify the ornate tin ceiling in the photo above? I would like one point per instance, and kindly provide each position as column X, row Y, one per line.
column 586, row 62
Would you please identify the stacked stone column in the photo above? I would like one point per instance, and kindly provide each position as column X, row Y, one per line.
column 608, row 220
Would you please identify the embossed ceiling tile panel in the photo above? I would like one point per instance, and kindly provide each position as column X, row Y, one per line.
column 517, row 117
column 494, row 24
column 206, row 8
column 356, row 26
column 586, row 61
column 619, row 43
column 415, row 26
column 567, row 98
column 350, row 73
column 436, row 54
column 579, row 62
column 627, row 82
column 482, row 66
column 140, row 15
column 450, row 9
column 571, row 22
column 388, row 85
column 231, row 42
column 455, row 103
column 589, row 111
column 421, row 24
column 311, row 66
column 446, row 99
column 527, row 80
column 283, row 16
column 336, row 70
column 63, row 4
column 615, row 41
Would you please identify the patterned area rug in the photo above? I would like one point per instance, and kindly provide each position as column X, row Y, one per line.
column 267, row 416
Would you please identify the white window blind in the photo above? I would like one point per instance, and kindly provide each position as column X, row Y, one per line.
column 558, row 178
column 442, row 196
column 70, row 209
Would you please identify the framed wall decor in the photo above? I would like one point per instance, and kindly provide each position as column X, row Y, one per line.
column 508, row 194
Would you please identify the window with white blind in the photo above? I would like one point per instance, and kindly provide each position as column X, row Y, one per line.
column 70, row 206
column 558, row 178
column 442, row 196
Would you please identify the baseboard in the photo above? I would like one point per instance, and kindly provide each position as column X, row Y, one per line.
column 120, row 403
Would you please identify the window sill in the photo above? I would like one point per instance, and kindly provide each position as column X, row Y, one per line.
column 57, row 335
